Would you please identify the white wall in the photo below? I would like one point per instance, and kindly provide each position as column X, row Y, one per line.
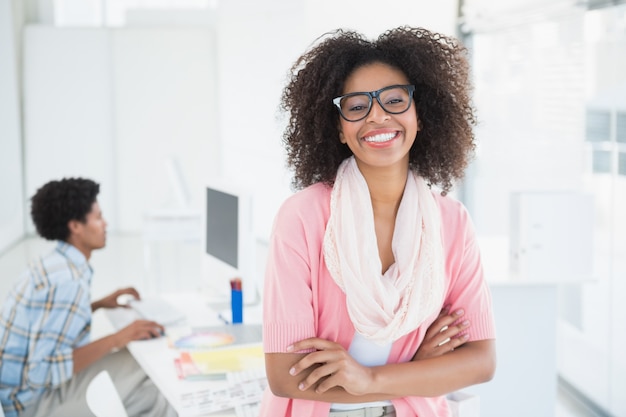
column 112, row 105
column 11, row 185
column 371, row 17
column 164, row 106
column 67, row 109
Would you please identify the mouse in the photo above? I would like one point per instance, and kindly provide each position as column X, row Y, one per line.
column 125, row 299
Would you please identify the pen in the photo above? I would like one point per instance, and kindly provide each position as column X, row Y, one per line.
column 224, row 319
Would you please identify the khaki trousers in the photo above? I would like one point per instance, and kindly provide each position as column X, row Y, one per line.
column 139, row 395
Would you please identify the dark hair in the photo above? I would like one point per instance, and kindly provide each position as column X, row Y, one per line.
column 58, row 202
column 434, row 63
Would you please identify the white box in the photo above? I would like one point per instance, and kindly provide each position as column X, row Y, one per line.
column 552, row 236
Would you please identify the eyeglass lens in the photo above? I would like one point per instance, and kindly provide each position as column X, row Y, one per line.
column 393, row 100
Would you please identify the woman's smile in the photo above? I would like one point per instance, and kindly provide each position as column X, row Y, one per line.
column 380, row 137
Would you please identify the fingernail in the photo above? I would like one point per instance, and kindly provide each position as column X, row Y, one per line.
column 459, row 312
column 465, row 336
column 292, row 371
column 465, row 323
column 301, row 387
column 290, row 348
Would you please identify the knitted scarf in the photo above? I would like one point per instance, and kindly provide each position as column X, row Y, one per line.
column 384, row 307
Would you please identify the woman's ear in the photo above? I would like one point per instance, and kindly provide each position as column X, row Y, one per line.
column 342, row 139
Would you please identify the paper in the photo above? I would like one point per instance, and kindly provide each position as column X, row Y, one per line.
column 216, row 363
column 243, row 393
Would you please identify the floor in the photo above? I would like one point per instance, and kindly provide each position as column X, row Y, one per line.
column 122, row 264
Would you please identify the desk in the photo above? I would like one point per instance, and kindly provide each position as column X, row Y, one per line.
column 525, row 311
column 157, row 359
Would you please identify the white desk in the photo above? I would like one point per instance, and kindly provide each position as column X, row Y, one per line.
column 525, row 311
column 157, row 359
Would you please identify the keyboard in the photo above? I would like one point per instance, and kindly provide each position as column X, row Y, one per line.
column 157, row 309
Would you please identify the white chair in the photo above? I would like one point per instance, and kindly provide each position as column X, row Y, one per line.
column 102, row 397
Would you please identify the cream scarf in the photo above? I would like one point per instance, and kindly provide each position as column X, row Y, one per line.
column 384, row 308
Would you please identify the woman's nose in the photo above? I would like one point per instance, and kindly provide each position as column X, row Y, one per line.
column 377, row 113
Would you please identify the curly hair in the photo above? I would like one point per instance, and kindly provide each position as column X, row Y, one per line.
column 58, row 202
column 436, row 64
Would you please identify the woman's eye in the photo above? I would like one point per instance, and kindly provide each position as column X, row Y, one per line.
column 357, row 108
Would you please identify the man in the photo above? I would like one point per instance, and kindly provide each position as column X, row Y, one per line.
column 46, row 357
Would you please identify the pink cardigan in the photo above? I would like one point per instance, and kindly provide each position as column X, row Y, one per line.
column 301, row 300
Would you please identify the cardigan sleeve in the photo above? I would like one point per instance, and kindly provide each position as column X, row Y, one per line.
column 468, row 288
column 288, row 310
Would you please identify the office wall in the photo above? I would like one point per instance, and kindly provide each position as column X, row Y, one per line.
column 67, row 109
column 11, row 193
column 257, row 42
column 128, row 114
column 371, row 18
column 164, row 106
column 113, row 104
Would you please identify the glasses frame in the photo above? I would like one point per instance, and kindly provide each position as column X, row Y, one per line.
column 374, row 95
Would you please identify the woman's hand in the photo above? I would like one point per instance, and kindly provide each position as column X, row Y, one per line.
column 443, row 337
column 332, row 367
column 110, row 301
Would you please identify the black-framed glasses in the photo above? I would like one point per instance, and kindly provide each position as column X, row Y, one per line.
column 394, row 99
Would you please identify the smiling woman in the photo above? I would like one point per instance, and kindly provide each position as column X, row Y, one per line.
column 376, row 136
column 375, row 301
column 438, row 70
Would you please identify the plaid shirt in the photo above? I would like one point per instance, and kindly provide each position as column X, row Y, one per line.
column 45, row 317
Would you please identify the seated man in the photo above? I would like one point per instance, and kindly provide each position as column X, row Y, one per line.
column 46, row 357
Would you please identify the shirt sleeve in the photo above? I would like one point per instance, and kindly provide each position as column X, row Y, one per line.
column 62, row 322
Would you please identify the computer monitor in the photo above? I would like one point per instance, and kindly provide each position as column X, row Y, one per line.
column 230, row 241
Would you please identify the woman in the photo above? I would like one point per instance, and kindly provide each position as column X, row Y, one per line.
column 364, row 258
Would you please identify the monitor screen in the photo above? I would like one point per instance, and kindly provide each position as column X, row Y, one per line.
column 222, row 228
column 229, row 241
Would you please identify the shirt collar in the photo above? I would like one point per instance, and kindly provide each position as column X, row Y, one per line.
column 75, row 256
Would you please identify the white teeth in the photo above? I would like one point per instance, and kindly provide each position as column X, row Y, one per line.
column 380, row 138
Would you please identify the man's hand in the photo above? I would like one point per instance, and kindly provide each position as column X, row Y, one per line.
column 86, row 355
column 110, row 301
column 138, row 330
column 442, row 336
